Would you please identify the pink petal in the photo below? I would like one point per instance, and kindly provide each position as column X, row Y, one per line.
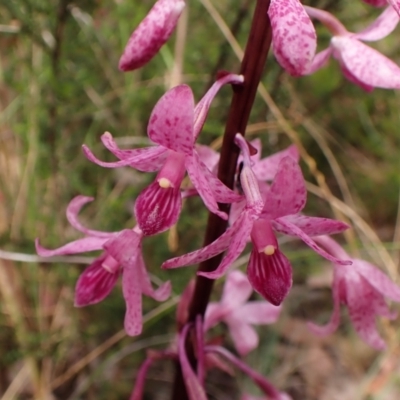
column 73, row 210
column 94, row 284
column 350, row 77
column 287, row 194
column 376, row 278
column 377, row 3
column 208, row 156
column 171, row 121
column 146, row 161
column 291, row 229
column 194, row 388
column 319, row 61
column 270, row 275
column 157, row 208
column 244, row 336
column 293, row 34
column 237, row 290
column 266, row 169
column 202, row 107
column 333, row 323
column 137, row 393
column 218, row 246
column 160, row 294
column 215, row 313
column 238, row 243
column 258, row 313
column 77, row 246
column 312, row 226
column 151, row 34
column 381, row 27
column 394, row 3
column 221, row 192
column 360, row 299
column 366, row 64
column 202, row 184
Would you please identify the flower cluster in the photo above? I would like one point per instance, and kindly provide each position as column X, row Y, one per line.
column 267, row 201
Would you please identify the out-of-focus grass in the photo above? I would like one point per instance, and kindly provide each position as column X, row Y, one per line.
column 60, row 87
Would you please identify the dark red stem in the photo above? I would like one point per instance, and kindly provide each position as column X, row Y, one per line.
column 252, row 67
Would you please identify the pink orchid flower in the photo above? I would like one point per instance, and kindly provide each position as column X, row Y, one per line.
column 269, row 271
column 151, row 34
column 293, row 35
column 121, row 253
column 360, row 64
column 239, row 314
column 362, row 287
column 174, row 125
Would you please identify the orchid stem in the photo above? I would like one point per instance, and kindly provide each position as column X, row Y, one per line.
column 252, row 67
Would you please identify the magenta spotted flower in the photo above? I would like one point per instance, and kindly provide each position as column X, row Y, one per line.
column 122, row 253
column 151, row 34
column 293, row 36
column 269, row 271
column 360, row 64
column 174, row 125
column 362, row 287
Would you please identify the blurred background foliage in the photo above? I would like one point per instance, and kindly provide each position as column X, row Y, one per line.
column 60, row 87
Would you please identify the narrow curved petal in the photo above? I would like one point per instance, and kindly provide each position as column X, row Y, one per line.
column 77, row 246
column 149, row 159
column 333, row 323
column 319, row 61
column 270, row 275
column 266, row 168
column 384, row 25
column 221, row 192
column 138, row 390
column 287, row 194
column 202, row 184
column 377, row 279
column 218, row 246
column 208, row 156
column 312, row 226
column 146, row 162
column 236, row 246
column 94, row 284
column 171, row 121
column 394, row 3
column 244, row 336
column 359, row 298
column 157, row 208
column 147, row 39
column 194, row 388
column 73, row 210
column 161, row 293
column 293, row 35
column 258, row 313
column 366, row 64
column 291, row 229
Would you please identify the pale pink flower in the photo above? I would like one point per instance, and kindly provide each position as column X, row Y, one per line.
column 147, row 39
column 240, row 314
column 122, row 252
column 293, row 35
column 174, row 125
column 360, row 64
column 362, row 287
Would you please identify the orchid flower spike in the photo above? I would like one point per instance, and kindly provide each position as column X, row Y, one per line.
column 121, row 253
column 239, row 314
column 269, row 271
column 147, row 39
column 293, row 36
column 174, row 125
column 362, row 287
column 360, row 64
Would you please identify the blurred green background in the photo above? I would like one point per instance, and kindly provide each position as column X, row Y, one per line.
column 60, row 87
